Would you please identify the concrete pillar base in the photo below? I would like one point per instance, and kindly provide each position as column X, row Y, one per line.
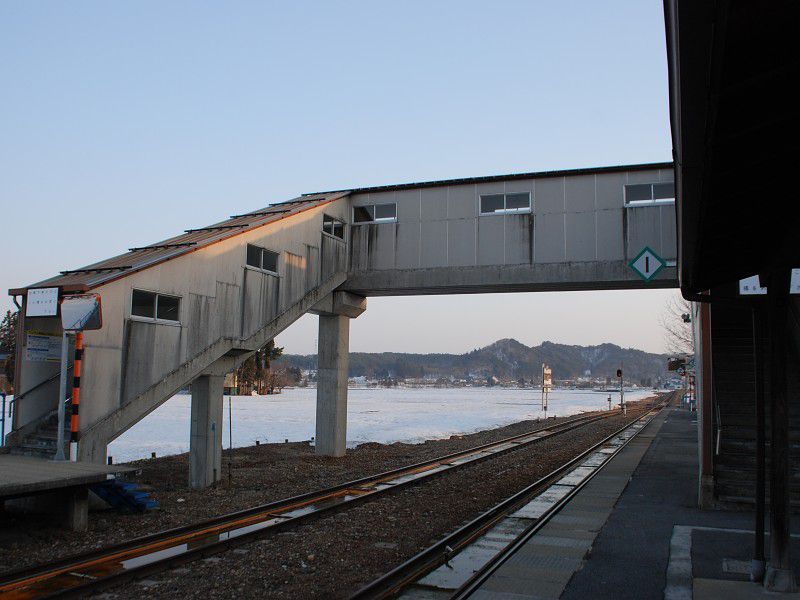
column 707, row 501
column 780, row 580
column 205, row 442
column 334, row 349
column 757, row 569
column 92, row 451
column 76, row 509
column 68, row 507
column 335, row 312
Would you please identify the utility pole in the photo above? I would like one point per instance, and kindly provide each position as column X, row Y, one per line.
column 62, row 392
column 3, row 421
column 230, row 443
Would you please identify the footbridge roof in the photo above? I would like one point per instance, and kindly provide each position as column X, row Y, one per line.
column 136, row 259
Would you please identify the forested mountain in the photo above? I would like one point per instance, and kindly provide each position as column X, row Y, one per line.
column 504, row 359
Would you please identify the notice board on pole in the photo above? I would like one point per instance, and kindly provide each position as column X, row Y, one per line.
column 42, row 347
column 547, row 379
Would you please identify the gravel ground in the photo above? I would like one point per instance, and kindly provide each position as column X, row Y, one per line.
column 336, row 555
column 270, row 472
column 260, row 474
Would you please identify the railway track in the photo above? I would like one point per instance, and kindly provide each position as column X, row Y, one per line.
column 458, row 564
column 95, row 570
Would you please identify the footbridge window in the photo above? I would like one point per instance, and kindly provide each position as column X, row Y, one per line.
column 375, row 213
column 644, row 194
column 499, row 204
column 262, row 259
column 156, row 307
column 333, row 227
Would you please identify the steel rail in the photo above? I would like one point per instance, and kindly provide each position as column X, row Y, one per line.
column 483, row 574
column 392, row 583
column 93, row 570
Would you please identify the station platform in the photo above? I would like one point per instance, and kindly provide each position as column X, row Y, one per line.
column 26, row 475
column 635, row 531
column 57, row 487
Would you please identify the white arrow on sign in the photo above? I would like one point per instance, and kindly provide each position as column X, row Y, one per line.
column 647, row 264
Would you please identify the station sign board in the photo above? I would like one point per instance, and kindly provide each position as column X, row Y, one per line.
column 751, row 286
column 42, row 302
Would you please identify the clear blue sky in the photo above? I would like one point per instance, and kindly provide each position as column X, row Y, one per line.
column 124, row 123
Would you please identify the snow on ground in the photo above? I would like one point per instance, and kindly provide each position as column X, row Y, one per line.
column 373, row 415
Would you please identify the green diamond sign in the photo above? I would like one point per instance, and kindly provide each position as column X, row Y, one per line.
column 647, row 264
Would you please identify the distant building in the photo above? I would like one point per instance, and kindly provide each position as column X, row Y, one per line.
column 231, row 385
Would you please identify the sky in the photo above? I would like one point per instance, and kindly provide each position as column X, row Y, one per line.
column 124, row 123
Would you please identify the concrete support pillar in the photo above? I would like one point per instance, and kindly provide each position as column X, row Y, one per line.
column 333, row 360
column 205, row 444
column 76, row 509
column 780, row 574
column 93, row 450
column 705, row 405
column 334, row 313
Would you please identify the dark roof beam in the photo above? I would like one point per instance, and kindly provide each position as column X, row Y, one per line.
column 262, row 213
column 216, row 228
column 766, row 160
column 758, row 80
column 96, row 270
column 163, row 246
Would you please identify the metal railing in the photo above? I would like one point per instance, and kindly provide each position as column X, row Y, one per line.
column 17, row 397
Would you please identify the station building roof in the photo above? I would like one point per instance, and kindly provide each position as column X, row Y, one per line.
column 735, row 132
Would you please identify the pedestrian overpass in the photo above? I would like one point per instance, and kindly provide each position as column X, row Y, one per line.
column 189, row 309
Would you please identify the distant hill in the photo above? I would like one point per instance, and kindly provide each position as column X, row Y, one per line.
column 504, row 359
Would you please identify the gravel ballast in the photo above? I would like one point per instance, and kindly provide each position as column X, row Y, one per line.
column 330, row 557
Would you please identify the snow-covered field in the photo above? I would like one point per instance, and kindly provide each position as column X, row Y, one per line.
column 374, row 415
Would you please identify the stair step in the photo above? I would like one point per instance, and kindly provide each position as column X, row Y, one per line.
column 26, row 451
column 124, row 495
column 37, row 443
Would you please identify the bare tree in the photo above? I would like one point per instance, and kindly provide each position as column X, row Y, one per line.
column 677, row 325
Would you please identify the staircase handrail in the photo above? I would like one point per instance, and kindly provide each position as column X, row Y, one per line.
column 18, row 397
column 719, row 428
